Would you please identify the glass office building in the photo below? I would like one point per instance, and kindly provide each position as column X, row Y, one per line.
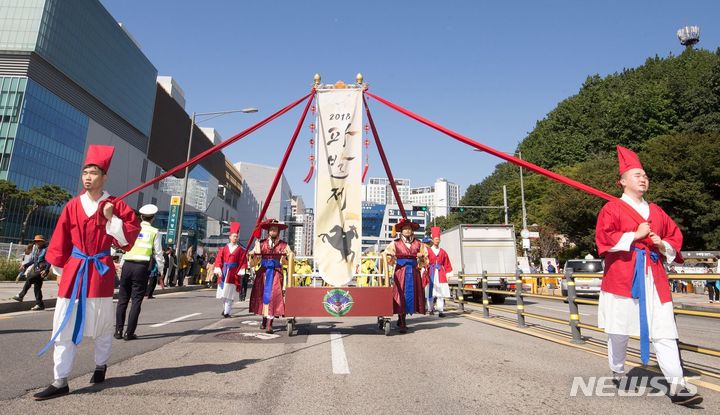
column 65, row 65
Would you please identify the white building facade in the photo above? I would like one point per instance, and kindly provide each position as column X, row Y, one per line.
column 439, row 197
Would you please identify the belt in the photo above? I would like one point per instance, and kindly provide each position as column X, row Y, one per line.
column 82, row 273
column 638, row 292
column 409, row 286
column 270, row 265
column 225, row 269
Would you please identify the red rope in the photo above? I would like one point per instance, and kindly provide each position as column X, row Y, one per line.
column 365, row 170
column 310, row 173
column 278, row 175
column 384, row 160
column 530, row 166
column 217, row 147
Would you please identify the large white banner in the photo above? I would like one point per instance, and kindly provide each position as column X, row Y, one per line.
column 338, row 208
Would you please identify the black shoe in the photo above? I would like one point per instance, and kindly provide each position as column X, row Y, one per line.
column 226, row 315
column 403, row 329
column 432, row 312
column 441, row 314
column 52, row 392
column 99, row 375
column 263, row 325
column 150, row 296
column 16, row 298
column 129, row 336
column 685, row 398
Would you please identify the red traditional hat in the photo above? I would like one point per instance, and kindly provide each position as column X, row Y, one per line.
column 273, row 222
column 235, row 227
column 627, row 159
column 100, row 156
column 402, row 222
column 435, row 232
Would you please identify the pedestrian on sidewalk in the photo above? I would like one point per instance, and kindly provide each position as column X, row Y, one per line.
column 271, row 253
column 713, row 290
column 136, row 273
column 171, row 268
column 410, row 255
column 228, row 269
column 439, row 269
column 26, row 259
column 635, row 297
column 182, row 268
column 79, row 253
column 36, row 269
column 155, row 277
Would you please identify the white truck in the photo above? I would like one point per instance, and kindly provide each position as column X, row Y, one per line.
column 476, row 248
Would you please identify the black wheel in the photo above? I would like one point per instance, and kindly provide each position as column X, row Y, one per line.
column 386, row 327
column 290, row 327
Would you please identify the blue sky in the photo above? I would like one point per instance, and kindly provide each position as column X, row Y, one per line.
column 487, row 69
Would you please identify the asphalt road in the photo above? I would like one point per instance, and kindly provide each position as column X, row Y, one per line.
column 23, row 334
column 699, row 331
column 451, row 365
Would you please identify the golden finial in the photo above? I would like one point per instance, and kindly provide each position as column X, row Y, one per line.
column 359, row 78
column 316, row 78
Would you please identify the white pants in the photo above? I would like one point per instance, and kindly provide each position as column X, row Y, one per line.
column 227, row 305
column 666, row 351
column 65, row 351
column 439, row 304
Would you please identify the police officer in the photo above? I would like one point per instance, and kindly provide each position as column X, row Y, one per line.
column 136, row 271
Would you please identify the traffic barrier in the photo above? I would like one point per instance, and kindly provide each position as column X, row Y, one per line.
column 573, row 301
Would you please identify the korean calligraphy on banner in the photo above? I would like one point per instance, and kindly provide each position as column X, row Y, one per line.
column 338, row 209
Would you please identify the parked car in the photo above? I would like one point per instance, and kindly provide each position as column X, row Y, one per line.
column 584, row 285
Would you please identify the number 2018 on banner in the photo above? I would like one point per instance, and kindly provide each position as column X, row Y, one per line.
column 340, row 117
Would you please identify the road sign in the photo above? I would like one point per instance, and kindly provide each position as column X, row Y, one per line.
column 525, row 233
column 173, row 219
column 533, row 235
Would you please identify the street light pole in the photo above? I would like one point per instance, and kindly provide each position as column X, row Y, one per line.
column 185, row 186
column 524, row 212
column 187, row 168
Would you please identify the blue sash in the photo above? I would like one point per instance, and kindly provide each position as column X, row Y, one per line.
column 225, row 269
column 269, row 265
column 409, row 264
column 82, row 272
column 431, row 270
column 638, row 292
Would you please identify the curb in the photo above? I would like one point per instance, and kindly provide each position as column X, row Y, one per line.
column 14, row 306
column 693, row 307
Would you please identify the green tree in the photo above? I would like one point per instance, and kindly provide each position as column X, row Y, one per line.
column 38, row 197
column 8, row 191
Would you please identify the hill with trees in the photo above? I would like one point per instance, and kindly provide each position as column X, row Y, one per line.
column 668, row 110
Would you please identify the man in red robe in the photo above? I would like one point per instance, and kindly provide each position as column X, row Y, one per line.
column 635, row 297
column 79, row 253
column 229, row 270
column 408, row 255
column 439, row 269
column 271, row 253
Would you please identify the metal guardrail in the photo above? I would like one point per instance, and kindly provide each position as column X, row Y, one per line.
column 574, row 315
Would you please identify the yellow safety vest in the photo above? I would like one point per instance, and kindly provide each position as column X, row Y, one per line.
column 144, row 244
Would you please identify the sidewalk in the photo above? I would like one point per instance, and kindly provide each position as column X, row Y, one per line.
column 49, row 289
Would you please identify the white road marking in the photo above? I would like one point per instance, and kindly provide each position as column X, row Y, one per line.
column 250, row 323
column 164, row 323
column 262, row 336
column 558, row 310
column 339, row 360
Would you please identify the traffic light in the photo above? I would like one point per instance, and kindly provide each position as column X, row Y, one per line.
column 420, row 208
column 457, row 209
